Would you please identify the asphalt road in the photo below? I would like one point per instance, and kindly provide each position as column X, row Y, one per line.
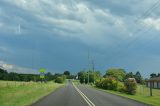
column 71, row 95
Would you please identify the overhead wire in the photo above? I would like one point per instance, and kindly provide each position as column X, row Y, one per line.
column 138, row 31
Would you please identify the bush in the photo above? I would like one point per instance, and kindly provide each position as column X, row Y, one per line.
column 121, row 87
column 98, row 83
column 130, row 86
column 108, row 83
column 60, row 79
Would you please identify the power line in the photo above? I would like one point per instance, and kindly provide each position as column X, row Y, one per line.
column 146, row 13
column 151, row 9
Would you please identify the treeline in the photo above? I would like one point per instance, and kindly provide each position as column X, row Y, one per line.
column 12, row 76
column 154, row 75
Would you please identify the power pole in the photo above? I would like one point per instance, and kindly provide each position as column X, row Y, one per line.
column 93, row 68
column 88, row 65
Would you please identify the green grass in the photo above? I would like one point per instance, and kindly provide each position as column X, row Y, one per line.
column 24, row 93
column 142, row 95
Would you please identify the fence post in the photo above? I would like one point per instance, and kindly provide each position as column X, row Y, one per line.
column 150, row 88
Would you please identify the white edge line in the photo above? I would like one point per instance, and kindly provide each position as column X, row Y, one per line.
column 84, row 96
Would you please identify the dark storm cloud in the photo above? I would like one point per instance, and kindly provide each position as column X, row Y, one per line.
column 58, row 34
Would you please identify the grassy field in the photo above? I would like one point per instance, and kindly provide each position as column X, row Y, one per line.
column 24, row 93
column 143, row 95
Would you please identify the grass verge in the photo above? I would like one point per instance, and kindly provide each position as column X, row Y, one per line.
column 24, row 93
column 142, row 95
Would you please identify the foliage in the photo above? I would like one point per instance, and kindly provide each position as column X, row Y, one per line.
column 139, row 79
column 67, row 73
column 130, row 86
column 121, row 87
column 12, row 76
column 129, row 75
column 93, row 76
column 60, row 79
column 109, row 83
column 153, row 75
column 142, row 95
column 119, row 74
column 81, row 76
column 3, row 74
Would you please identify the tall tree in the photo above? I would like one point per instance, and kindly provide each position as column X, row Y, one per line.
column 138, row 77
column 129, row 75
column 119, row 74
column 81, row 76
column 153, row 75
column 67, row 73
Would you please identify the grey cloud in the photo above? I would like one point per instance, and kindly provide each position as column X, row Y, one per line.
column 57, row 34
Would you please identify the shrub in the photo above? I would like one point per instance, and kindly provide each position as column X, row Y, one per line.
column 98, row 83
column 130, row 86
column 60, row 79
column 121, row 87
column 108, row 83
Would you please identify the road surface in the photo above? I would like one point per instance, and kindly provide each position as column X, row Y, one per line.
column 71, row 95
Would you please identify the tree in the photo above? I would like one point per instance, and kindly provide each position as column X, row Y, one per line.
column 93, row 76
column 67, row 73
column 81, row 76
column 60, row 79
column 153, row 75
column 97, row 75
column 3, row 74
column 119, row 74
column 138, row 77
column 129, row 75
column 109, row 83
column 13, row 76
column 49, row 76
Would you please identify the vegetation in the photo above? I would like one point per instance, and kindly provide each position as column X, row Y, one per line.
column 88, row 76
column 108, row 83
column 153, row 75
column 12, row 76
column 130, row 86
column 14, row 93
column 67, row 73
column 119, row 74
column 119, row 80
column 142, row 95
column 60, row 79
column 111, row 83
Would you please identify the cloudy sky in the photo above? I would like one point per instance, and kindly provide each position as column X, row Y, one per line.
column 59, row 34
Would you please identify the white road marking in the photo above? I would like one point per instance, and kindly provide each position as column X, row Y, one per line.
column 84, row 97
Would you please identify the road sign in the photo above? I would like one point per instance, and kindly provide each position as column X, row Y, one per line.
column 42, row 70
column 42, row 73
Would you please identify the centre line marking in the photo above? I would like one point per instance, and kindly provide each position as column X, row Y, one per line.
column 84, row 96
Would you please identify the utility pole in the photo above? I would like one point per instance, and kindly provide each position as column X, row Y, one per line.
column 93, row 68
column 88, row 65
